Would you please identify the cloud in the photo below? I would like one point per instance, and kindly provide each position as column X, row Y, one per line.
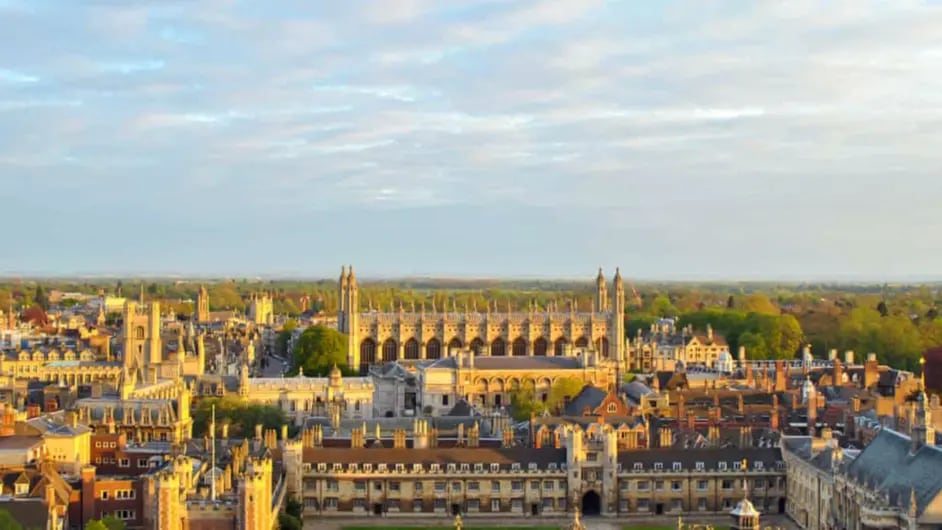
column 660, row 114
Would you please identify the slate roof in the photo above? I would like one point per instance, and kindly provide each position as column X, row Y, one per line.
column 711, row 457
column 589, row 397
column 515, row 363
column 887, row 465
column 505, row 457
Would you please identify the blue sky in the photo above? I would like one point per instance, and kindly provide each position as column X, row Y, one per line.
column 679, row 140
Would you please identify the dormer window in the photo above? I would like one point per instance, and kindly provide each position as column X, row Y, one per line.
column 758, row 465
column 515, row 466
column 737, row 466
column 451, row 468
column 638, row 466
column 368, row 467
column 700, row 466
column 721, row 466
column 495, row 468
column 658, row 466
column 677, row 466
column 22, row 488
column 478, row 468
column 612, row 408
column 465, row 468
column 382, row 468
column 532, row 466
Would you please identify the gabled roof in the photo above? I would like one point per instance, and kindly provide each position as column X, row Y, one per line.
column 589, row 397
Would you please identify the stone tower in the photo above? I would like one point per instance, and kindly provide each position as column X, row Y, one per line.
column 617, row 326
column 202, row 305
column 261, row 310
column 601, row 293
column 171, row 510
column 255, row 495
column 348, row 317
column 922, row 432
column 142, row 346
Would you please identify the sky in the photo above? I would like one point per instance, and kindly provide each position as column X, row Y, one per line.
column 677, row 140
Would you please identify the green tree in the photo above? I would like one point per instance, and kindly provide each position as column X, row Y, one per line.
column 293, row 507
column 755, row 345
column 318, row 349
column 523, row 402
column 662, row 307
column 8, row 522
column 566, row 387
column 288, row 522
column 241, row 416
column 759, row 303
column 95, row 524
column 40, row 298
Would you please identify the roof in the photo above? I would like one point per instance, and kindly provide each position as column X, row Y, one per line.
column 887, row 465
column 505, row 457
column 537, row 362
column 19, row 443
column 590, row 397
column 30, row 513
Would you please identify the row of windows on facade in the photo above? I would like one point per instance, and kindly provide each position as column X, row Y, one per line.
column 142, row 463
column 517, row 486
column 121, row 495
column 517, row 505
column 757, row 465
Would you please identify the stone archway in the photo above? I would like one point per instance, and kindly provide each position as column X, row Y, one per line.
column 559, row 346
column 591, row 504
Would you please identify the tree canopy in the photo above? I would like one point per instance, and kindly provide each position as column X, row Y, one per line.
column 108, row 522
column 241, row 416
column 318, row 349
column 8, row 522
column 524, row 401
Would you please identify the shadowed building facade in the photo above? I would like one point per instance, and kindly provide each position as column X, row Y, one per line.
column 377, row 337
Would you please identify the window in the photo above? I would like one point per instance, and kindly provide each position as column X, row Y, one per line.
column 644, row 505
column 359, row 504
column 332, row 485
column 658, row 466
column 737, row 466
column 124, row 462
column 516, row 505
column 474, row 505
column 330, row 503
column 643, row 485
column 758, row 484
column 699, row 466
column 394, row 485
column 675, row 485
column 515, row 466
column 548, row 485
column 727, row 485
column 416, row 506
column 516, row 486
column 495, row 505
column 721, row 466
column 478, row 468
column 495, row 486
column 561, row 503
column 455, row 486
column 638, row 466
column 474, row 486
column 562, row 485
column 465, row 468
column 677, row 466
column 623, row 505
column 701, row 504
column 124, row 515
column 417, row 487
column 702, row 485
column 124, row 494
column 612, row 408
column 440, row 487
column 439, row 504
column 359, row 486
column 104, row 495
column 142, row 462
column 658, row 485
column 377, row 486
column 495, row 468
column 23, row 489
column 534, row 484
column 677, row 505
column 445, row 400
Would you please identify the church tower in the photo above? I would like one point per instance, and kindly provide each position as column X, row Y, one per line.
column 202, row 305
column 255, row 495
column 617, row 325
column 349, row 317
column 342, row 301
column 141, row 337
column 601, row 293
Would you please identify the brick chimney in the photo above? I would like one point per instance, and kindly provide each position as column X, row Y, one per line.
column 871, row 371
column 88, row 493
column 666, row 437
column 781, row 380
column 681, row 408
column 837, row 372
column 691, row 420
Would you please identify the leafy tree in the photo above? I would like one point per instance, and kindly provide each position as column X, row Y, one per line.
column 759, row 303
column 882, row 309
column 523, row 401
column 288, row 522
column 241, row 416
column 567, row 387
column 318, row 349
column 754, row 344
column 293, row 507
column 40, row 298
column 95, row 524
column 8, row 522
column 662, row 307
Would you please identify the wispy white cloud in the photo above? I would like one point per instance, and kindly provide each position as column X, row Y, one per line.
column 13, row 76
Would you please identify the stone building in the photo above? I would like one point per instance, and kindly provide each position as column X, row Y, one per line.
column 665, row 345
column 376, row 337
column 302, row 396
column 487, row 381
column 262, row 309
column 202, row 305
column 811, row 465
column 586, row 470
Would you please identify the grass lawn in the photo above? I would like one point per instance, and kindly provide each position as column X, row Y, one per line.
column 447, row 527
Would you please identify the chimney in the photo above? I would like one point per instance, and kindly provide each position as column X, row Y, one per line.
column 666, row 437
column 849, row 357
column 474, row 436
column 837, row 372
column 742, row 355
column 88, row 492
column 781, row 382
column 714, row 435
column 745, row 437
column 471, row 355
column 399, row 439
column 284, row 432
column 871, row 371
column 508, row 438
column 691, row 420
column 773, row 418
column 740, row 403
column 225, row 431
column 681, row 408
column 832, row 354
column 258, row 433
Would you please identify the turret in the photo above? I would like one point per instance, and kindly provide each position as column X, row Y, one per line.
column 923, row 432
column 601, row 293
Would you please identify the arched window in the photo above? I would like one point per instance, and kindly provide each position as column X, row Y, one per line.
column 603, row 347
column 519, row 348
column 433, row 349
column 539, row 346
column 411, row 350
column 139, row 332
column 367, row 352
column 582, row 342
column 560, row 346
column 389, row 350
column 476, row 344
column 498, row 347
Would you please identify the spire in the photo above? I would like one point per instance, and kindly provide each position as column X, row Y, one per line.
column 142, row 294
column 343, row 275
column 600, row 279
column 351, row 277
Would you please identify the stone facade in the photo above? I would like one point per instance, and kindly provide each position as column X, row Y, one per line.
column 376, row 337
column 587, row 471
column 301, row 396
